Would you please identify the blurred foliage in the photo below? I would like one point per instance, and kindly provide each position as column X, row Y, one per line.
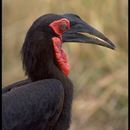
column 100, row 75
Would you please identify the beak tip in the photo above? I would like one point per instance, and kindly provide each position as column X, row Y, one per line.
column 114, row 47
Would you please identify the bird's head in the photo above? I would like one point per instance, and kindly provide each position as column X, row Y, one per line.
column 43, row 42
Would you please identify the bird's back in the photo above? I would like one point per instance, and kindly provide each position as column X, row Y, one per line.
column 33, row 106
column 15, row 85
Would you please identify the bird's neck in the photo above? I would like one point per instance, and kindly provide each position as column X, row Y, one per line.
column 58, row 67
column 44, row 58
column 46, row 70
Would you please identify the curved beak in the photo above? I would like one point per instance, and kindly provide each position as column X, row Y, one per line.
column 84, row 33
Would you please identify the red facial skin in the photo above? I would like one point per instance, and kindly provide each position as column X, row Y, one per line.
column 57, row 43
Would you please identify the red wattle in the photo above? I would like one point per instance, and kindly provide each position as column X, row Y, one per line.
column 61, row 55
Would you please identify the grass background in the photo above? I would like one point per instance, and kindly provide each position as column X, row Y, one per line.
column 100, row 75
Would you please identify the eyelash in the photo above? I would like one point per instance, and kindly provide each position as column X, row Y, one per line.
column 63, row 27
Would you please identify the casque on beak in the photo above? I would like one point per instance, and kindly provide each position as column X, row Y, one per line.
column 77, row 31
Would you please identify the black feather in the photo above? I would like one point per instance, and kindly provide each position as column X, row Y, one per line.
column 34, row 104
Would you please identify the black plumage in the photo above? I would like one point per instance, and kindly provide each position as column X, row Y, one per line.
column 43, row 101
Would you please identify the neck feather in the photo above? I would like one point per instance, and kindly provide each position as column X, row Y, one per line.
column 39, row 59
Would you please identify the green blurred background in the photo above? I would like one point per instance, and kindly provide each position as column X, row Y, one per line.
column 100, row 75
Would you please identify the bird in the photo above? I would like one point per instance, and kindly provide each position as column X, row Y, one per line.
column 43, row 101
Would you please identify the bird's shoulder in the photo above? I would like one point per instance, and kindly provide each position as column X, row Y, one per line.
column 46, row 83
column 14, row 85
column 51, row 88
column 45, row 87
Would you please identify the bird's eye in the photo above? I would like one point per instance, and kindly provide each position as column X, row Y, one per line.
column 63, row 27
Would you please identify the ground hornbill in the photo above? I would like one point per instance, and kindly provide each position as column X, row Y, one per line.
column 43, row 101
